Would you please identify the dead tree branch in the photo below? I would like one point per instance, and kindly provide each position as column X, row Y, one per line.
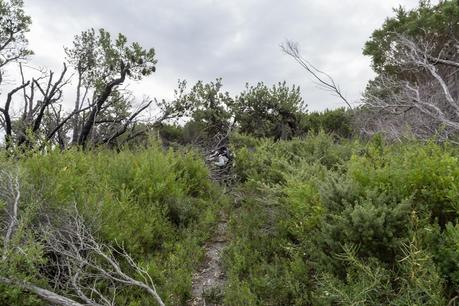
column 6, row 112
column 425, row 92
column 80, row 267
column 11, row 193
column 44, row 294
column 88, row 262
column 101, row 99
column 121, row 130
column 324, row 80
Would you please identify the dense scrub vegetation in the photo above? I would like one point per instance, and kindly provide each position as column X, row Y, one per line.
column 319, row 223
column 338, row 122
column 160, row 206
column 341, row 207
column 312, row 221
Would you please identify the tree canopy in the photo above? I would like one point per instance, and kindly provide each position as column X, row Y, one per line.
column 439, row 21
column 269, row 112
column 14, row 24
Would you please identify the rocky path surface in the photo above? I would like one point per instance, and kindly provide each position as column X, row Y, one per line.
column 208, row 281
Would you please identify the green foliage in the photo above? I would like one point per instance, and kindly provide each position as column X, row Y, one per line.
column 375, row 222
column 207, row 106
column 427, row 20
column 276, row 112
column 170, row 133
column 23, row 264
column 266, row 160
column 447, row 253
column 337, row 122
column 100, row 59
column 14, row 23
column 428, row 173
column 159, row 205
column 269, row 112
column 313, row 222
column 365, row 283
column 279, row 206
column 420, row 282
column 371, row 283
column 392, row 209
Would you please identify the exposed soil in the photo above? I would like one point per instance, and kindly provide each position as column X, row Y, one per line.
column 208, row 281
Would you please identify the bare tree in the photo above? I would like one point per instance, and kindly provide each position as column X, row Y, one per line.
column 323, row 79
column 40, row 98
column 6, row 112
column 102, row 112
column 424, row 94
column 43, row 120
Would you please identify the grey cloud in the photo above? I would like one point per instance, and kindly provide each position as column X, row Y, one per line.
column 237, row 40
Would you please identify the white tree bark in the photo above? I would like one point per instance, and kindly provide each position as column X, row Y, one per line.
column 44, row 294
column 10, row 190
column 425, row 99
column 83, row 264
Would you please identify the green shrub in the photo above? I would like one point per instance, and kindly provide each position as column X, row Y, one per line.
column 161, row 206
column 393, row 208
column 337, row 122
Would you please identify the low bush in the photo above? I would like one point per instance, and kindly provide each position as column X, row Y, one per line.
column 323, row 222
column 161, row 206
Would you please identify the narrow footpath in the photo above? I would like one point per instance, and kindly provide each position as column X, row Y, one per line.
column 209, row 280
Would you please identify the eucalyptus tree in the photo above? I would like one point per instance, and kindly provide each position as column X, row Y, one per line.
column 102, row 65
column 416, row 57
column 208, row 107
column 14, row 24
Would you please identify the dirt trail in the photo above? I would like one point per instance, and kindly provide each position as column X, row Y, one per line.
column 208, row 281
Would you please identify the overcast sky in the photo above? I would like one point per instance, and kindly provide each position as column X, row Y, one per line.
column 237, row 40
